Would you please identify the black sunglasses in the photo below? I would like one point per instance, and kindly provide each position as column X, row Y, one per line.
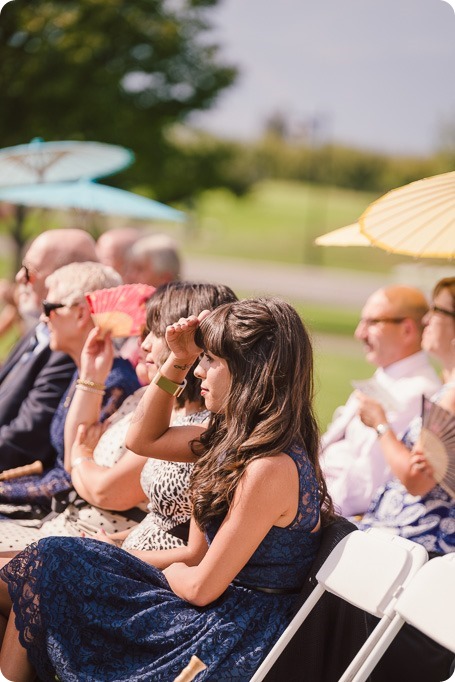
column 443, row 311
column 48, row 307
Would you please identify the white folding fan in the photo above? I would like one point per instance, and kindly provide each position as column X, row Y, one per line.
column 438, row 443
column 120, row 310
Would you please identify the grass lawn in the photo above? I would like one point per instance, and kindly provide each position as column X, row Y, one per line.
column 279, row 220
column 333, row 374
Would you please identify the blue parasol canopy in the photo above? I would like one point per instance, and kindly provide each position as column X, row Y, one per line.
column 90, row 197
column 40, row 161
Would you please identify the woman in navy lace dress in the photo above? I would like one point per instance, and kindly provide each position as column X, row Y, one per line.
column 86, row 610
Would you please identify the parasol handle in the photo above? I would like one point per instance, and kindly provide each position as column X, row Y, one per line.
column 28, row 469
column 194, row 667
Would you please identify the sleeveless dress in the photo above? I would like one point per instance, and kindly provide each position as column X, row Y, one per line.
column 82, row 517
column 428, row 519
column 34, row 493
column 87, row 611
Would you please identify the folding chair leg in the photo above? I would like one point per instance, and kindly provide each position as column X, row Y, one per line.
column 375, row 646
column 288, row 634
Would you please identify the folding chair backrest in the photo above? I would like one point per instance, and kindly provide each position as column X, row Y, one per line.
column 369, row 569
column 428, row 602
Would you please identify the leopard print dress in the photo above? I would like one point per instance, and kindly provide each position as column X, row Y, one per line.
column 166, row 484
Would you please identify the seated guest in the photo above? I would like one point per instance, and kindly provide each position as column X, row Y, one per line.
column 106, row 475
column 391, row 331
column 33, row 378
column 69, row 322
column 166, row 483
column 113, row 245
column 412, row 504
column 259, row 500
column 154, row 260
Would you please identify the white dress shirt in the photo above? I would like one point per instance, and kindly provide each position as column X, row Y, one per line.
column 352, row 458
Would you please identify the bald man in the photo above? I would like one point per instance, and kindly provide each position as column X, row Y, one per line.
column 33, row 378
column 390, row 330
column 113, row 246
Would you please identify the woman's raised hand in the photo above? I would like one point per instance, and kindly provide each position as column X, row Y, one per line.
column 97, row 356
column 180, row 337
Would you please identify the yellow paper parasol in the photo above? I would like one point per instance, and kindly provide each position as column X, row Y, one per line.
column 344, row 236
column 414, row 220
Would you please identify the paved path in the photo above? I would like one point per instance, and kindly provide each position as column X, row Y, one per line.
column 306, row 283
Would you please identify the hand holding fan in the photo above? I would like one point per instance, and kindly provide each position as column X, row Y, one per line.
column 120, row 310
column 438, row 443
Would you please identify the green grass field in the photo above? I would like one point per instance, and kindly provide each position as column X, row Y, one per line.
column 333, row 374
column 279, row 221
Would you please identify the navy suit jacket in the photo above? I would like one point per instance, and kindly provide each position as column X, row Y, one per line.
column 31, row 386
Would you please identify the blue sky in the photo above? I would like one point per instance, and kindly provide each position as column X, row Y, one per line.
column 378, row 74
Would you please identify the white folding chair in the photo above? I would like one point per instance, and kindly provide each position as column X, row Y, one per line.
column 428, row 604
column 369, row 570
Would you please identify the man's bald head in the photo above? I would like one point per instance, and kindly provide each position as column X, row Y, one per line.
column 113, row 245
column 391, row 324
column 406, row 301
column 49, row 251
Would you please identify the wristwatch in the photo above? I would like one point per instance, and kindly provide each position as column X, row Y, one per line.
column 381, row 429
column 169, row 386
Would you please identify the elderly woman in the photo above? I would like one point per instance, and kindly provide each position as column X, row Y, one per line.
column 68, row 318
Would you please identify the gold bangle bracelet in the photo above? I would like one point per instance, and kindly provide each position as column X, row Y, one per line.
column 88, row 389
column 90, row 384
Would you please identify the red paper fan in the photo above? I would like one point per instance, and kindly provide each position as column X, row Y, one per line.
column 120, row 310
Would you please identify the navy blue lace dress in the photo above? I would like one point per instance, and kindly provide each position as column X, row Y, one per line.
column 88, row 611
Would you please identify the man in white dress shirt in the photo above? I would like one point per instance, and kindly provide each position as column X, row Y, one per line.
column 391, row 330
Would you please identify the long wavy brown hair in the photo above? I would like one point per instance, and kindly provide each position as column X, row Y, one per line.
column 177, row 299
column 269, row 408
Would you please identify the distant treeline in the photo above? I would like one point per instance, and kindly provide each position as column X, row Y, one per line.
column 205, row 161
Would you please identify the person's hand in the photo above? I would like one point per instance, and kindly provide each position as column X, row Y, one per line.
column 87, row 437
column 108, row 538
column 370, row 411
column 419, row 463
column 97, row 357
column 180, row 337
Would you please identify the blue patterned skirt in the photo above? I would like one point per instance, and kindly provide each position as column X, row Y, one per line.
column 89, row 611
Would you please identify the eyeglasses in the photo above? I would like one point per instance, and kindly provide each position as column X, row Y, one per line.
column 48, row 307
column 373, row 321
column 442, row 311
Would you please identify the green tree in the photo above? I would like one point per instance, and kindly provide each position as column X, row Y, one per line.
column 116, row 71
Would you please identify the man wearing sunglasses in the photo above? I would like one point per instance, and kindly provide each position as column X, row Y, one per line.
column 33, row 378
column 390, row 330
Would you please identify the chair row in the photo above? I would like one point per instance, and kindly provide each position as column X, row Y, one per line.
column 381, row 575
